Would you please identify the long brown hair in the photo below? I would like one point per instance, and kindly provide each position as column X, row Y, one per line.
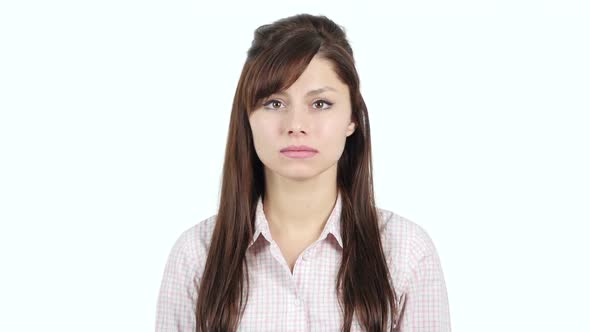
column 279, row 53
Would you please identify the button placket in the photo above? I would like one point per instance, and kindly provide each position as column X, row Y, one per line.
column 300, row 308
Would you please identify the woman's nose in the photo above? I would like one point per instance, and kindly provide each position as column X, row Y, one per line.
column 296, row 121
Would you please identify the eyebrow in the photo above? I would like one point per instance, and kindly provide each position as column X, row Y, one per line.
column 312, row 92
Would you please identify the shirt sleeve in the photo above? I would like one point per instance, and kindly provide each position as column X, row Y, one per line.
column 177, row 296
column 426, row 302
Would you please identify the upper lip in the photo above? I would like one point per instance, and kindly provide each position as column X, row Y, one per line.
column 298, row 148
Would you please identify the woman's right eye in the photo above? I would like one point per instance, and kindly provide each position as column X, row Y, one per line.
column 272, row 103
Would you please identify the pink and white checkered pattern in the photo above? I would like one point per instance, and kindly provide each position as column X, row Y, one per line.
column 306, row 299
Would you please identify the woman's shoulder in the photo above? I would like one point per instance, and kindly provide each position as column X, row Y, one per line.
column 404, row 233
column 202, row 231
column 193, row 243
column 405, row 243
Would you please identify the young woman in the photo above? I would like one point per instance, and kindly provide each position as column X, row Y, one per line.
column 298, row 243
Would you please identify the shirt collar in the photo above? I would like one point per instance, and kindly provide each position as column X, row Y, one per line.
column 332, row 225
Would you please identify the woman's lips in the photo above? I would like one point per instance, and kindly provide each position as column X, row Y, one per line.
column 299, row 154
column 299, row 151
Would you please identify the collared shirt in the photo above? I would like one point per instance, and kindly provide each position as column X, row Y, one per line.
column 306, row 299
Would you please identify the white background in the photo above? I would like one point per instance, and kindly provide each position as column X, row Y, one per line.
column 113, row 126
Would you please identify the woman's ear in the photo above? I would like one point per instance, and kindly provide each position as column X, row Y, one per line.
column 350, row 129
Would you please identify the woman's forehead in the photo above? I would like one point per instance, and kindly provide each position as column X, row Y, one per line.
column 318, row 77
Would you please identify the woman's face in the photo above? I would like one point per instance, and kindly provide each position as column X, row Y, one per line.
column 304, row 115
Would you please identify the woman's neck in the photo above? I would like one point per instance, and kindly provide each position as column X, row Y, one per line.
column 300, row 210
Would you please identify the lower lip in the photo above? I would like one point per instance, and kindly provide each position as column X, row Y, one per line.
column 299, row 154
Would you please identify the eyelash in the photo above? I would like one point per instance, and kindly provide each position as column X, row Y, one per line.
column 317, row 101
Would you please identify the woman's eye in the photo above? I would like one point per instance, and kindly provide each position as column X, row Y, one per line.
column 323, row 103
column 273, row 103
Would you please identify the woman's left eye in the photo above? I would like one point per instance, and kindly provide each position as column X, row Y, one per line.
column 323, row 102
